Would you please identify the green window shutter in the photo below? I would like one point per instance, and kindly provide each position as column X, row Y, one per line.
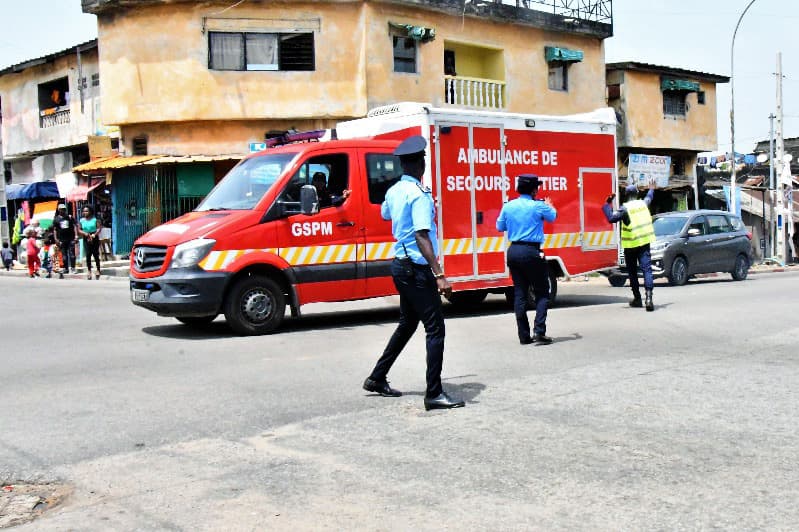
column 195, row 179
column 553, row 53
column 668, row 84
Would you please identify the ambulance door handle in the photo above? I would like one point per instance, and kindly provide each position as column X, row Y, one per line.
column 479, row 217
column 345, row 224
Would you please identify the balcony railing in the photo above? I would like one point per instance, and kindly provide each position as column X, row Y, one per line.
column 474, row 92
column 54, row 116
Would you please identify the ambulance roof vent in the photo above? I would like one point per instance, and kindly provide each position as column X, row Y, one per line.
column 299, row 136
column 399, row 108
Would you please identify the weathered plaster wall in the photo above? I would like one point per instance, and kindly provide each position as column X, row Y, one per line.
column 21, row 131
column 525, row 68
column 162, row 74
column 217, row 137
column 646, row 126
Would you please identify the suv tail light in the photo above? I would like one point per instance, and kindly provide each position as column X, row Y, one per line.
column 749, row 235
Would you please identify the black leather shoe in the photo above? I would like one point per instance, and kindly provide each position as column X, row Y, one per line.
column 441, row 402
column 636, row 302
column 380, row 387
column 526, row 341
column 541, row 339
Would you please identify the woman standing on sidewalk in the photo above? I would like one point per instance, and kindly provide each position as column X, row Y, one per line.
column 89, row 229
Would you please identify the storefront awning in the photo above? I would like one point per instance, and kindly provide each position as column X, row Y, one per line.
column 81, row 192
column 113, row 163
column 554, row 53
column 668, row 84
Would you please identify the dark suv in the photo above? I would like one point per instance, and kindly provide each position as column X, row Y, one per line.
column 692, row 242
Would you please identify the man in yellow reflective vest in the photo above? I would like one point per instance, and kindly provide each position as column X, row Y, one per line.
column 636, row 235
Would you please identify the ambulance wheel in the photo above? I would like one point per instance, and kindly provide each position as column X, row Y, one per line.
column 254, row 305
column 468, row 298
column 553, row 288
column 553, row 293
column 617, row 280
column 195, row 321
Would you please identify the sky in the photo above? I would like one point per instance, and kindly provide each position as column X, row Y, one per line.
column 689, row 34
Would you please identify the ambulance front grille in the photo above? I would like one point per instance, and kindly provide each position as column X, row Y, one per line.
column 148, row 258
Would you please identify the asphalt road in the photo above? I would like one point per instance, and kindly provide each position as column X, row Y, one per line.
column 684, row 418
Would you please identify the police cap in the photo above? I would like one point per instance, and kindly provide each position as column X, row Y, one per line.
column 527, row 180
column 412, row 146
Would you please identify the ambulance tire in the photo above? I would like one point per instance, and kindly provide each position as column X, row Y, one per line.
column 196, row 321
column 468, row 298
column 617, row 280
column 254, row 305
column 553, row 293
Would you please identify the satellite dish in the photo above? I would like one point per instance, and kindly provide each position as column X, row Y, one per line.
column 762, row 158
column 787, row 158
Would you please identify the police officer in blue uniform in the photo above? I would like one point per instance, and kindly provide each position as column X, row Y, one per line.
column 417, row 275
column 523, row 219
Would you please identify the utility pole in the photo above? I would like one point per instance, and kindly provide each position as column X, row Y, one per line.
column 780, row 192
column 771, row 236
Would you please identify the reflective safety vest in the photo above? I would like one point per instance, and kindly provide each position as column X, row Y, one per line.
column 639, row 232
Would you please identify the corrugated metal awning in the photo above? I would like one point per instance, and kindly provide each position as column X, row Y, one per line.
column 112, row 163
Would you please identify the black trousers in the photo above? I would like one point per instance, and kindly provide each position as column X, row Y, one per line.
column 67, row 248
column 419, row 301
column 92, row 249
column 528, row 268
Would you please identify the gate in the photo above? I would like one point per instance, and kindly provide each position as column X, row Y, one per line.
column 146, row 196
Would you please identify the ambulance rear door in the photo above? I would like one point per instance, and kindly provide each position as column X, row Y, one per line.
column 596, row 184
column 470, row 186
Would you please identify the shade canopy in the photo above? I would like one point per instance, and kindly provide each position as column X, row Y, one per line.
column 81, row 192
column 43, row 189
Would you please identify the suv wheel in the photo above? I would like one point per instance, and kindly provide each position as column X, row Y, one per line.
column 678, row 273
column 741, row 269
column 254, row 305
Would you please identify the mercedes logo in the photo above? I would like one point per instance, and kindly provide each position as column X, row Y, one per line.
column 139, row 260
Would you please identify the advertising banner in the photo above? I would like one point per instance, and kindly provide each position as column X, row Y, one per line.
column 642, row 169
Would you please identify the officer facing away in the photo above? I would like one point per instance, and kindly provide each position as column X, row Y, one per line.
column 523, row 219
column 636, row 235
column 417, row 275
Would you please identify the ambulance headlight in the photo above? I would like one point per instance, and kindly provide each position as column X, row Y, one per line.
column 190, row 253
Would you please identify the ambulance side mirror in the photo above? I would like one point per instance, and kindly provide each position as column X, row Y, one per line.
column 309, row 200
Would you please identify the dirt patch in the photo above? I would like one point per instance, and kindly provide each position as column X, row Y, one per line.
column 25, row 501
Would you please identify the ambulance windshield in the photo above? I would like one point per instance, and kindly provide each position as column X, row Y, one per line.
column 245, row 185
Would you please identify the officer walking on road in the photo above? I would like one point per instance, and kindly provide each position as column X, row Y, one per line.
column 417, row 275
column 636, row 235
column 523, row 219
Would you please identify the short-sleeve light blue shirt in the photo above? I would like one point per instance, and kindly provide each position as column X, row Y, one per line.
column 523, row 219
column 409, row 205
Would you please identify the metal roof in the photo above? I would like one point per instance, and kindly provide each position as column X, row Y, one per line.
column 30, row 63
column 667, row 70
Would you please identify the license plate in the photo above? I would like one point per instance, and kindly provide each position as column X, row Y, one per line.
column 139, row 295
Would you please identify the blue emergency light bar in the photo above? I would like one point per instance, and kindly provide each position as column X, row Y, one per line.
column 288, row 138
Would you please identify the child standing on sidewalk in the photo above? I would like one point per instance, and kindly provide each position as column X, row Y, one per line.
column 7, row 256
column 34, row 264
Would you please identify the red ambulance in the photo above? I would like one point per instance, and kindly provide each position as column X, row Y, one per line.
column 265, row 237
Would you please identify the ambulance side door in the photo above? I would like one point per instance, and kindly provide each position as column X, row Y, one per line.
column 322, row 248
column 380, row 170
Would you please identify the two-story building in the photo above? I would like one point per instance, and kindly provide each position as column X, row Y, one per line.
column 195, row 84
column 50, row 107
column 668, row 115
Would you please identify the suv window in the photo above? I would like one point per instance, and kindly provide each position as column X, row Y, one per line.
column 737, row 224
column 698, row 223
column 718, row 223
column 383, row 170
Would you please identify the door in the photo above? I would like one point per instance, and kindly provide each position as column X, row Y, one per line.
column 724, row 246
column 470, row 190
column 322, row 249
column 697, row 249
column 596, row 184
